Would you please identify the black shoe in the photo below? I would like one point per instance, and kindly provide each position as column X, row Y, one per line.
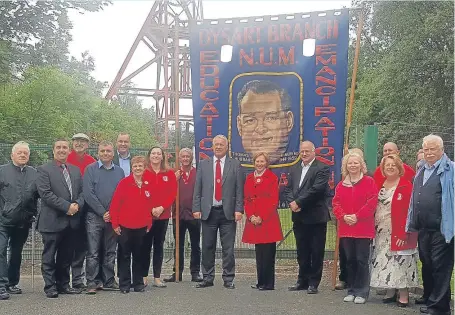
column 80, row 286
column 14, row 290
column 266, row 289
column 421, row 301
column 424, row 310
column 52, row 294
column 401, row 304
column 99, row 286
column 113, row 287
column 140, row 288
column 298, row 287
column 341, row 285
column 69, row 291
column 204, row 284
column 229, row 285
column 312, row 289
column 255, row 286
column 125, row 291
column 3, row 294
column 196, row 278
column 389, row 300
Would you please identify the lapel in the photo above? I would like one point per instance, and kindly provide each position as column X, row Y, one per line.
column 62, row 178
column 297, row 175
column 226, row 169
column 308, row 174
column 210, row 171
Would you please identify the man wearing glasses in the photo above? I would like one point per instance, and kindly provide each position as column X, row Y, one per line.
column 265, row 118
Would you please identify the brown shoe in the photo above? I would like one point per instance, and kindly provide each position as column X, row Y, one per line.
column 91, row 291
column 341, row 285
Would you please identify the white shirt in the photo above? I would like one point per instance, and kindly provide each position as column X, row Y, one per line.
column 305, row 169
column 222, row 161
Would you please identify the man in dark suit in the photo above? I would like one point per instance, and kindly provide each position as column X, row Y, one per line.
column 218, row 201
column 307, row 191
column 60, row 188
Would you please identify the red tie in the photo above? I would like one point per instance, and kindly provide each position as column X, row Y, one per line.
column 218, row 189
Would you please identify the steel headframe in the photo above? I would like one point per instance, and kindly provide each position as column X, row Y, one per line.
column 159, row 35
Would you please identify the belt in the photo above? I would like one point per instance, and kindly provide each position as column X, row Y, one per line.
column 217, row 207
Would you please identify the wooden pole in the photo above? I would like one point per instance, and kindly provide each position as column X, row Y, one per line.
column 177, row 148
column 348, row 126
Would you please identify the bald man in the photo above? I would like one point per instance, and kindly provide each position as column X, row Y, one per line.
column 388, row 149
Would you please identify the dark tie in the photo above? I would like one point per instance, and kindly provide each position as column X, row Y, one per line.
column 67, row 179
column 218, row 189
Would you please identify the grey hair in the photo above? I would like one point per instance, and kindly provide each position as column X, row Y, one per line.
column 20, row 144
column 313, row 148
column 221, row 137
column 187, row 150
column 434, row 139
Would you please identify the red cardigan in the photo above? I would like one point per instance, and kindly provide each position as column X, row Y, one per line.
column 400, row 206
column 361, row 200
column 164, row 187
column 131, row 206
column 261, row 199
column 409, row 174
column 75, row 160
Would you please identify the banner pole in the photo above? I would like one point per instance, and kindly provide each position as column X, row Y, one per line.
column 177, row 148
column 348, row 126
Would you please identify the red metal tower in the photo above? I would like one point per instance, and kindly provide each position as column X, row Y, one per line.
column 166, row 34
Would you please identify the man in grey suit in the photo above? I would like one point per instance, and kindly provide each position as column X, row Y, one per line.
column 218, row 201
column 60, row 188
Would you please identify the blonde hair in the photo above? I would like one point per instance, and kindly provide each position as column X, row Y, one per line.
column 396, row 159
column 139, row 159
column 265, row 155
column 344, row 163
column 356, row 150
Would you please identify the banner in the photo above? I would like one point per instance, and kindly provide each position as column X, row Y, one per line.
column 267, row 95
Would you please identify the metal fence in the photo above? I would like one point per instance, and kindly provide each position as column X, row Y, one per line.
column 40, row 154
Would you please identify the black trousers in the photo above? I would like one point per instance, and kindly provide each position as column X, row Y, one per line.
column 265, row 264
column 217, row 221
column 437, row 257
column 56, row 260
column 154, row 238
column 194, row 230
column 343, row 268
column 130, row 242
column 10, row 267
column 357, row 258
column 102, row 244
column 310, row 242
column 80, row 252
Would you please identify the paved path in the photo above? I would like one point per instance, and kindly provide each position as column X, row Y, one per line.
column 183, row 298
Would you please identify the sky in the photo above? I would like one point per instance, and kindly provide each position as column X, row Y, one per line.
column 108, row 35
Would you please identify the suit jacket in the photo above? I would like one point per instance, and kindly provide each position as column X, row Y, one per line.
column 232, row 188
column 116, row 157
column 312, row 195
column 56, row 198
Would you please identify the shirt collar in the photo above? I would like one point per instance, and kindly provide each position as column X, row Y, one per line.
column 19, row 168
column 222, row 160
column 100, row 165
column 435, row 165
column 127, row 157
column 309, row 164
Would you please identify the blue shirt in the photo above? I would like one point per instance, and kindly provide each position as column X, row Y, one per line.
column 429, row 170
column 125, row 163
column 100, row 165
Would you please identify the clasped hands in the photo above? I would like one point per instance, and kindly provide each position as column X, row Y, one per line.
column 294, row 207
column 156, row 212
column 73, row 209
column 256, row 220
column 238, row 215
column 350, row 219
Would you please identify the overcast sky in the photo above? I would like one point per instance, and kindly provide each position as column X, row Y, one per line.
column 109, row 34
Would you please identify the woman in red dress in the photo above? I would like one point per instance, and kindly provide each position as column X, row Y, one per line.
column 263, row 227
column 164, row 187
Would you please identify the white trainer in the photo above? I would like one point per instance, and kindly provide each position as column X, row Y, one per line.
column 349, row 298
column 359, row 300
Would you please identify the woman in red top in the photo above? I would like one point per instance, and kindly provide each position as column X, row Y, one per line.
column 263, row 227
column 394, row 261
column 164, row 187
column 131, row 220
column 354, row 204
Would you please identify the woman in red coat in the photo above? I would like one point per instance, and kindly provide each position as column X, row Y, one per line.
column 263, row 227
column 394, row 261
column 131, row 219
column 354, row 204
column 164, row 187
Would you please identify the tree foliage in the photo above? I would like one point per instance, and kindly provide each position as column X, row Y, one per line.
column 405, row 77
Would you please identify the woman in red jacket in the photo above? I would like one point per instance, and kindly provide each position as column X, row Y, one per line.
column 164, row 187
column 394, row 261
column 263, row 227
column 354, row 204
column 131, row 219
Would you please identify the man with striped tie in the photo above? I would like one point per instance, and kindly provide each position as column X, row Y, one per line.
column 60, row 188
